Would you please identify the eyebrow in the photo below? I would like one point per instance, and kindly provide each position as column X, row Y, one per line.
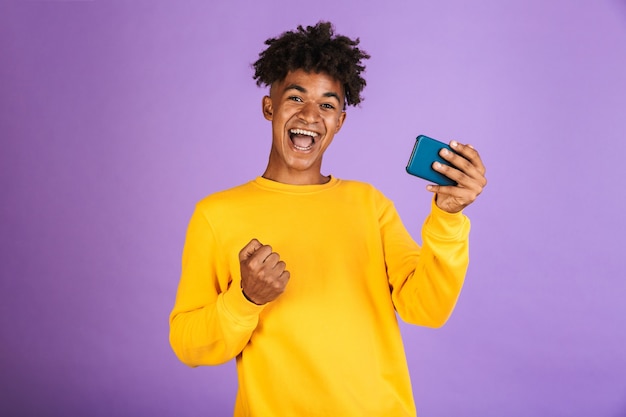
column 304, row 90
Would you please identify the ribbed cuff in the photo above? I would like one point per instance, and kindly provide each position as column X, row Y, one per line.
column 446, row 225
column 239, row 308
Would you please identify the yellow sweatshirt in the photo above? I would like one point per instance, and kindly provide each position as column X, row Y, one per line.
column 330, row 345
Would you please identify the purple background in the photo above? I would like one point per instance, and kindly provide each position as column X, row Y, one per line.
column 115, row 118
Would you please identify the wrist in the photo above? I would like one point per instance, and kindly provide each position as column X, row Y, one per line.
column 249, row 299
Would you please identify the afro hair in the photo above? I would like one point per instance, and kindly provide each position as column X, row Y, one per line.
column 314, row 49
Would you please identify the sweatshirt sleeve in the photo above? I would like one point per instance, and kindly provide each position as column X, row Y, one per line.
column 426, row 282
column 211, row 321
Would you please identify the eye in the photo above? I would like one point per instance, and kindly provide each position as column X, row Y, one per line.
column 328, row 106
column 294, row 98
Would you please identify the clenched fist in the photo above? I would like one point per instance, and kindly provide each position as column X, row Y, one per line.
column 263, row 274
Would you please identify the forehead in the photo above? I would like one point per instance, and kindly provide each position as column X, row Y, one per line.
column 311, row 82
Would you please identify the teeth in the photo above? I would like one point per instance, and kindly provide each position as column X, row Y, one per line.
column 303, row 132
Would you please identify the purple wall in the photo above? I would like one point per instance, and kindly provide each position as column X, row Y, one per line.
column 115, row 118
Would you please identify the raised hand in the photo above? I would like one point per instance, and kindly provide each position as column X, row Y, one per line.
column 469, row 175
column 263, row 274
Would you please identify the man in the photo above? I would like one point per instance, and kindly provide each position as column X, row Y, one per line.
column 299, row 275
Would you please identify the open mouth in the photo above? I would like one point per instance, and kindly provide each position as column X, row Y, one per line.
column 302, row 140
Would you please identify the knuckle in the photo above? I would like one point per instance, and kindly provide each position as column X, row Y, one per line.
column 277, row 285
column 260, row 276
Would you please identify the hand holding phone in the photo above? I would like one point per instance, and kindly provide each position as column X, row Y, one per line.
column 425, row 153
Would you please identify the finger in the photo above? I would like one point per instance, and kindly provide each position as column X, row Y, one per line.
column 452, row 199
column 281, row 280
column 284, row 276
column 457, row 175
column 464, row 183
column 440, row 189
column 469, row 153
column 261, row 254
column 272, row 259
column 249, row 249
column 275, row 273
column 280, row 267
column 458, row 161
column 467, row 170
column 279, row 283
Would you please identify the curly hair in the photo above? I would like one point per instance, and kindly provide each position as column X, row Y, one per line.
column 314, row 49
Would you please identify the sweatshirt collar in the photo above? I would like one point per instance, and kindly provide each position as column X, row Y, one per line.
column 294, row 189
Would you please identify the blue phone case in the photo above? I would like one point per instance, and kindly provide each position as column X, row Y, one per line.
column 425, row 153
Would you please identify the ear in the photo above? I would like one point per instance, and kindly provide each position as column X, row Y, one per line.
column 268, row 109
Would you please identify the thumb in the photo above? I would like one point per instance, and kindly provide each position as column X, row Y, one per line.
column 249, row 249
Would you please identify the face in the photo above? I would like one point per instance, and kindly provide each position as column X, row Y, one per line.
column 306, row 110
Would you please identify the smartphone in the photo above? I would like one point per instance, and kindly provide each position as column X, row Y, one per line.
column 425, row 153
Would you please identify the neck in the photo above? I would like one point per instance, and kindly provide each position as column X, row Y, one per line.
column 300, row 179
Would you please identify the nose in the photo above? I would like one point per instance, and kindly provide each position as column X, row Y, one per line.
column 309, row 113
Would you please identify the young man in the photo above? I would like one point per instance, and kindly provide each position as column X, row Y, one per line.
column 299, row 275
